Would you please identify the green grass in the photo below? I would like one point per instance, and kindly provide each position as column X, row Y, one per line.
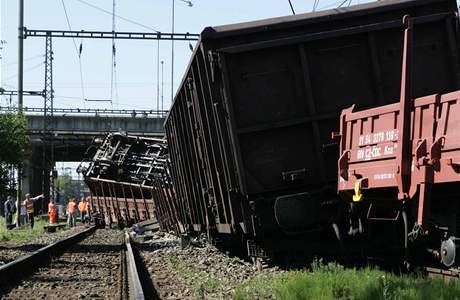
column 199, row 281
column 332, row 281
column 24, row 233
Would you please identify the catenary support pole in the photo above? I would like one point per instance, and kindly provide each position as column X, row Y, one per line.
column 172, row 56
column 20, row 99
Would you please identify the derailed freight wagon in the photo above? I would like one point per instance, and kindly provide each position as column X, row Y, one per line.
column 400, row 167
column 249, row 129
column 129, row 180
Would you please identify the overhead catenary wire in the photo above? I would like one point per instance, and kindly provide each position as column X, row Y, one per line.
column 67, row 8
column 25, row 70
column 127, row 104
column 344, row 1
column 118, row 16
column 122, row 103
column 98, row 100
column 292, row 7
column 315, row 5
column 69, row 26
column 25, row 59
column 334, row 4
column 78, row 50
column 158, row 74
column 162, row 83
column 9, row 85
column 113, row 80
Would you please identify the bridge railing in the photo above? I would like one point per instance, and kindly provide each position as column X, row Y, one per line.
column 89, row 112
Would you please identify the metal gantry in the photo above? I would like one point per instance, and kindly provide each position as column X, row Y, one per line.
column 83, row 34
column 11, row 93
column 48, row 92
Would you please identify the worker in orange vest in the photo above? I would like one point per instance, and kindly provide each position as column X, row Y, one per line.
column 52, row 211
column 71, row 212
column 83, row 208
column 88, row 209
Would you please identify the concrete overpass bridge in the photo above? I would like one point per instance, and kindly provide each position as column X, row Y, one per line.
column 73, row 132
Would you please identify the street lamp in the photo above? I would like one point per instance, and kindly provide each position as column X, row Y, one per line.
column 189, row 4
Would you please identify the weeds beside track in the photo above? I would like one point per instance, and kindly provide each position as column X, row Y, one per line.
column 332, row 281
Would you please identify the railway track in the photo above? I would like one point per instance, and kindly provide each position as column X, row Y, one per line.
column 10, row 251
column 96, row 264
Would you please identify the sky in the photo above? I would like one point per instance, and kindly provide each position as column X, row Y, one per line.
column 136, row 82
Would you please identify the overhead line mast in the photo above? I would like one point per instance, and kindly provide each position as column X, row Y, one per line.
column 20, row 97
column 113, row 81
column 48, row 124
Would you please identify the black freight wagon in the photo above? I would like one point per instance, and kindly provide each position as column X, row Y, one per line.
column 249, row 130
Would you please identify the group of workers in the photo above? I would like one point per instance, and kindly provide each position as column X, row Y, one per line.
column 72, row 209
column 26, row 211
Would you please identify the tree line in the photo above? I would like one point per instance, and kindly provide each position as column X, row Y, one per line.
column 14, row 144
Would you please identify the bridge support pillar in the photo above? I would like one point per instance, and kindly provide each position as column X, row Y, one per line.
column 46, row 189
column 33, row 176
column 27, row 175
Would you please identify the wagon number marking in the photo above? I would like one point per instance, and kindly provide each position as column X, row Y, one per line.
column 378, row 137
column 377, row 151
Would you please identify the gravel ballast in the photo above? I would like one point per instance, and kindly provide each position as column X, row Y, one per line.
column 199, row 271
column 11, row 250
column 90, row 269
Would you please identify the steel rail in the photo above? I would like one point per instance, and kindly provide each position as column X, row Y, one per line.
column 16, row 270
column 13, row 272
column 134, row 283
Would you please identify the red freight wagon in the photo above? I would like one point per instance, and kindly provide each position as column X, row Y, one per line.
column 405, row 157
column 370, row 143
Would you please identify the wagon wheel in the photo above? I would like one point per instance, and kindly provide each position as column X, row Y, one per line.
column 392, row 246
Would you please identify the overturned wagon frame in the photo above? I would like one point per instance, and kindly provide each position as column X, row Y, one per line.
column 129, row 180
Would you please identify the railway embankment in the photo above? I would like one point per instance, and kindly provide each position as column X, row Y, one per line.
column 198, row 271
column 201, row 271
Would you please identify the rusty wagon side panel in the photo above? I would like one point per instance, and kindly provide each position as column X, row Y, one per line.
column 370, row 139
